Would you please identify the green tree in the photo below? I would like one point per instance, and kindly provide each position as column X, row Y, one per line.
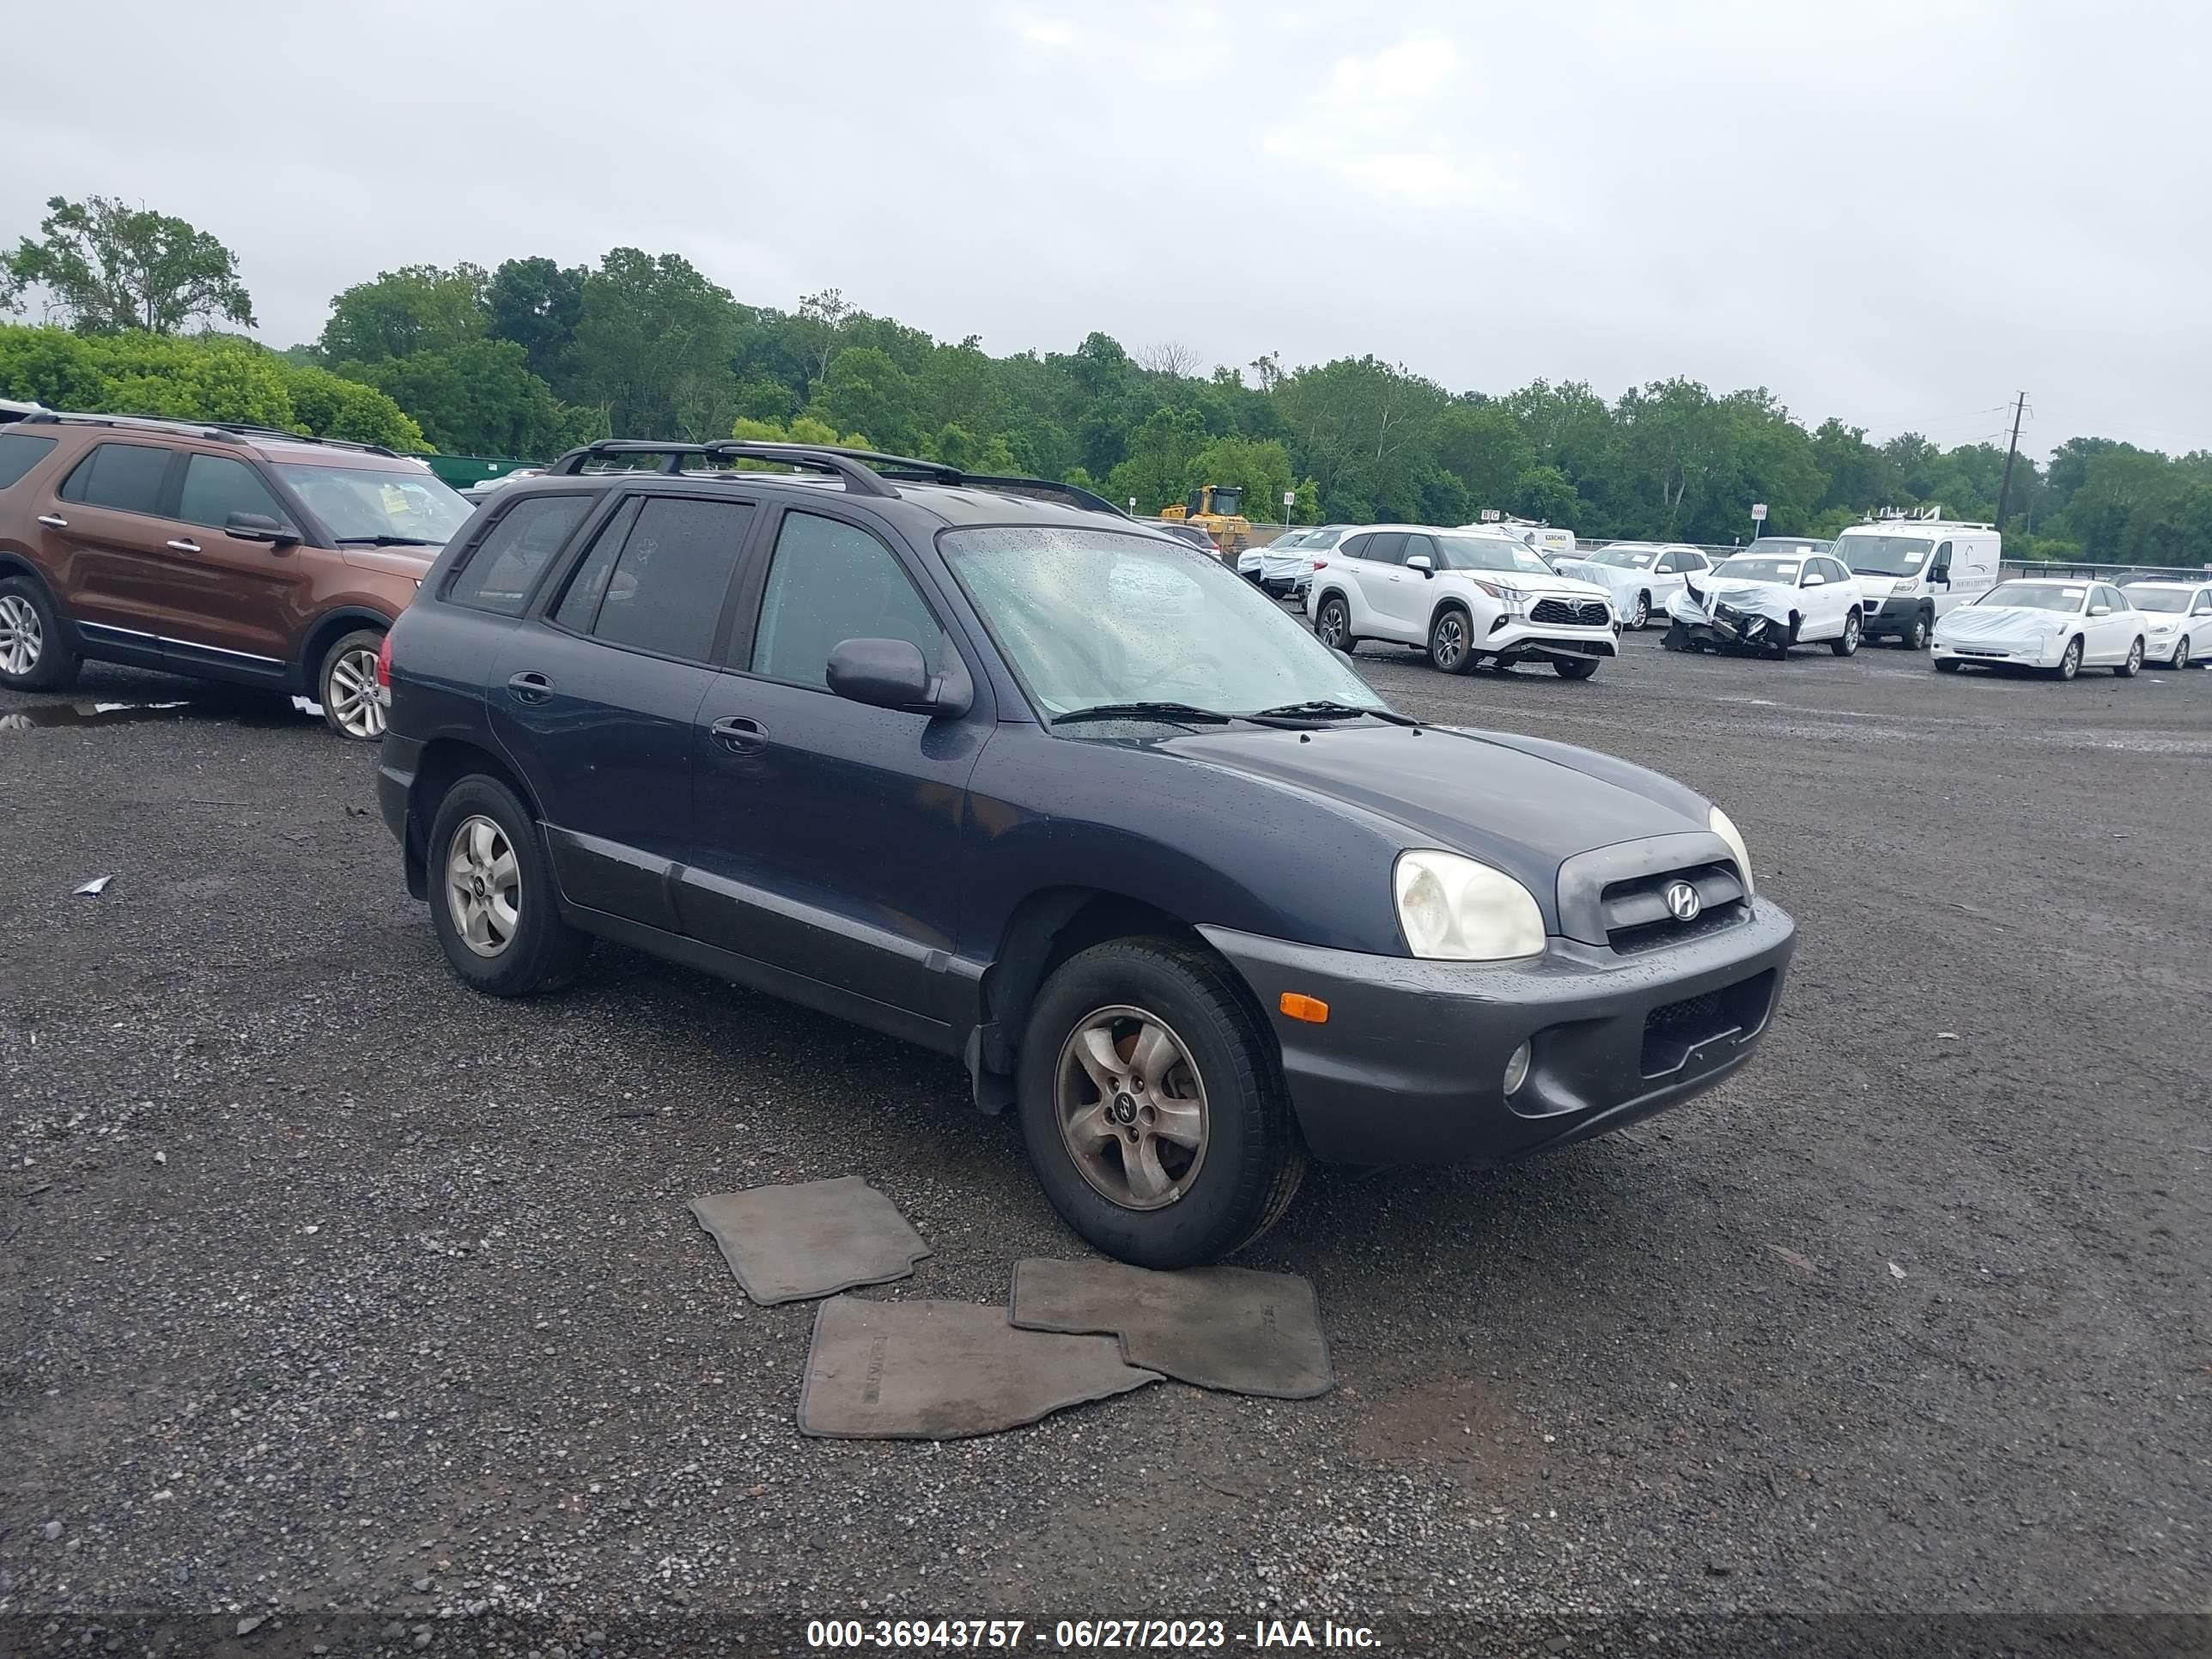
column 1161, row 453
column 50, row 366
column 479, row 398
column 415, row 308
column 535, row 303
column 329, row 406
column 1262, row 468
column 654, row 338
column 1484, row 447
column 864, row 390
column 111, row 267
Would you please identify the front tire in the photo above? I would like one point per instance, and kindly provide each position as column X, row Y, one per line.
column 2069, row 664
column 1154, row 1106
column 1641, row 616
column 35, row 655
column 2133, row 665
column 1577, row 669
column 1915, row 636
column 1847, row 643
column 492, row 894
column 1333, row 624
column 1451, row 642
column 346, row 687
column 2181, row 649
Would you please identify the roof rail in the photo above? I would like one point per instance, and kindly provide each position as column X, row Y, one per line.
column 218, row 431
column 864, row 472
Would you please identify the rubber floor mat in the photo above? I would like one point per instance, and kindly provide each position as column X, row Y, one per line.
column 1228, row 1328
column 946, row 1370
column 794, row 1243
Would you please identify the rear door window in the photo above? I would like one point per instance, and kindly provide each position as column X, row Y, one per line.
column 505, row 565
column 129, row 478
column 1387, row 547
column 18, row 452
column 663, row 590
column 831, row 582
column 215, row 486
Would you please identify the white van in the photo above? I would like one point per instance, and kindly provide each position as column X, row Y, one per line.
column 1912, row 571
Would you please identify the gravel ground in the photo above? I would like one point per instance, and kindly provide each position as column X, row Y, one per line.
column 339, row 1298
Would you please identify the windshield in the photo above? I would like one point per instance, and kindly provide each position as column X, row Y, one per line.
column 2035, row 596
column 1489, row 553
column 1758, row 570
column 2158, row 599
column 1628, row 558
column 1295, row 539
column 1328, row 537
column 359, row 503
column 1785, row 547
column 1092, row 616
column 1884, row 556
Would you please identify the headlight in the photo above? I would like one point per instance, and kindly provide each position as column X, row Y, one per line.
column 1452, row 907
column 1725, row 829
column 1512, row 598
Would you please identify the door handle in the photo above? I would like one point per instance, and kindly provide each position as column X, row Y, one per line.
column 54, row 521
column 530, row 687
column 184, row 545
column 740, row 735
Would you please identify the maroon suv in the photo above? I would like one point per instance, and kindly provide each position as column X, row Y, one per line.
column 227, row 552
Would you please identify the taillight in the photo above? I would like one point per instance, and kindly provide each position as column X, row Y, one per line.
column 384, row 665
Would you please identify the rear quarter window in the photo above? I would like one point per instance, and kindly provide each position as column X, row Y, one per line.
column 18, row 452
column 500, row 571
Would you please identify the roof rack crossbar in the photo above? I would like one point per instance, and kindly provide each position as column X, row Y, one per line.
column 572, row 462
column 217, row 431
column 863, row 471
column 850, row 465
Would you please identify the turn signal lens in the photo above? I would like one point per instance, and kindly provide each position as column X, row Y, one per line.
column 384, row 664
column 1297, row 1006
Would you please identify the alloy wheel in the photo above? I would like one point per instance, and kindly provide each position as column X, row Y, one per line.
column 1331, row 623
column 484, row 885
column 2181, row 652
column 350, row 694
column 1130, row 1106
column 21, row 639
column 1643, row 613
column 1448, row 640
column 2070, row 663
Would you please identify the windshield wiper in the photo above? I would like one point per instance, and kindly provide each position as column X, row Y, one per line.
column 389, row 541
column 1321, row 709
column 1125, row 711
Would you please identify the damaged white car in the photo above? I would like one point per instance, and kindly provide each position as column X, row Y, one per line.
column 1642, row 576
column 1763, row 604
column 2046, row 622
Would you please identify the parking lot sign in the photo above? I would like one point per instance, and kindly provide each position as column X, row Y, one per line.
column 1758, row 512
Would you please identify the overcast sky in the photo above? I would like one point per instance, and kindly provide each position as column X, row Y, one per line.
column 1898, row 211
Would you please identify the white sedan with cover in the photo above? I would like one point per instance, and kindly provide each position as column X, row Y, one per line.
column 1644, row 576
column 2055, row 625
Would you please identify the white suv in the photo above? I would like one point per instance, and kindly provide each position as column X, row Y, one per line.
column 1466, row 596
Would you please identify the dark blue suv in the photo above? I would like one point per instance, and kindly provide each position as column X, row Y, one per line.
column 983, row 763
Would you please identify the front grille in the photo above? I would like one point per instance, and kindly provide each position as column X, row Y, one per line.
column 1676, row 1030
column 1978, row 650
column 1571, row 613
column 1637, row 916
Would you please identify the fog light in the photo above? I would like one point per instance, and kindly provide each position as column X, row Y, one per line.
column 1517, row 1068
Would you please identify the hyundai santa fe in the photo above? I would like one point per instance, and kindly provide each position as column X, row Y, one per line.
column 982, row 763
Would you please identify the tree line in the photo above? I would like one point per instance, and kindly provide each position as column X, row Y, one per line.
column 530, row 356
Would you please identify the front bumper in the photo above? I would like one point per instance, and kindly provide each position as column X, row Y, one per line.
column 2020, row 654
column 1515, row 639
column 1881, row 617
column 1408, row 1067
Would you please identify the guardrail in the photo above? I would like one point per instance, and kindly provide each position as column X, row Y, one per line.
column 2105, row 573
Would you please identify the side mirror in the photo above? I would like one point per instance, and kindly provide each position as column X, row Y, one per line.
column 2100, row 610
column 1422, row 563
column 1815, row 580
column 893, row 674
column 1940, row 575
column 259, row 527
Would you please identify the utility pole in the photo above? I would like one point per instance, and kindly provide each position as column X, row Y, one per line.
column 2004, row 490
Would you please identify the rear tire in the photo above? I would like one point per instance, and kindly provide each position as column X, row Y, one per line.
column 1236, row 1181
column 1451, row 640
column 2133, row 665
column 35, row 655
column 492, row 894
column 1581, row 669
column 345, row 686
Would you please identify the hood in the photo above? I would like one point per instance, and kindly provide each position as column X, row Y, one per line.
column 2005, row 622
column 413, row 563
column 1615, row 579
column 1521, row 811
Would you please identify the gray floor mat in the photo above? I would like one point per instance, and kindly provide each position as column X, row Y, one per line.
column 791, row 1243
column 1228, row 1328
column 945, row 1370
